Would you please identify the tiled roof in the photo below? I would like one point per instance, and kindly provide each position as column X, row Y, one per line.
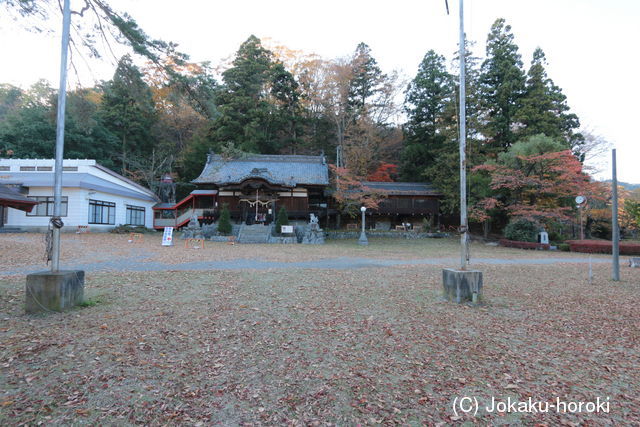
column 404, row 188
column 286, row 170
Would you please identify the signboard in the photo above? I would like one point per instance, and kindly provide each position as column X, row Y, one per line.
column 286, row 229
column 167, row 237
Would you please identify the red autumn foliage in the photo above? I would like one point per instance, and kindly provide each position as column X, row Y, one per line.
column 386, row 172
column 602, row 247
column 542, row 187
column 351, row 194
column 523, row 245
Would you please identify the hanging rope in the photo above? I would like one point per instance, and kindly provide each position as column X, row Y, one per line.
column 55, row 222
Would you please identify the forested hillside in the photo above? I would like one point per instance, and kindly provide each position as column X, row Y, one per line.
column 525, row 150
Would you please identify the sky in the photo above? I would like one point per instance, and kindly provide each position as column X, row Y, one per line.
column 591, row 45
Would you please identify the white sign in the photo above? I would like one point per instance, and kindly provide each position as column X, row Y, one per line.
column 167, row 237
column 286, row 229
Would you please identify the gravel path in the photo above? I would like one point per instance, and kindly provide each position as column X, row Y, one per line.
column 143, row 263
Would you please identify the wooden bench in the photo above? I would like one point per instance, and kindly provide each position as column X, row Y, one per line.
column 400, row 228
column 352, row 226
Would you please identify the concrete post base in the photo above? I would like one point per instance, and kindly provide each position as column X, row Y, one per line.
column 54, row 291
column 462, row 285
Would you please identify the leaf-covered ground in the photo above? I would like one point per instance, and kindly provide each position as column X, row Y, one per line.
column 294, row 346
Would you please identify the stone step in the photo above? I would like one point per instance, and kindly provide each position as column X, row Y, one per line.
column 11, row 230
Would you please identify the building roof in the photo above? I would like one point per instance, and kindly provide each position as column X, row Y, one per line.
column 404, row 188
column 12, row 198
column 286, row 170
column 76, row 180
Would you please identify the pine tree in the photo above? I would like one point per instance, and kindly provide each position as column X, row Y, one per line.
column 245, row 113
column 129, row 112
column 503, row 85
column 366, row 80
column 544, row 108
column 427, row 98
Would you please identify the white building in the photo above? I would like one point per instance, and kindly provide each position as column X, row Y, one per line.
column 92, row 196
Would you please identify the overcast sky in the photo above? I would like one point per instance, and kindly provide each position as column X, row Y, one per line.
column 591, row 45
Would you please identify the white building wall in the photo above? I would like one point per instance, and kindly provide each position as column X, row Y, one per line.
column 78, row 210
column 78, row 198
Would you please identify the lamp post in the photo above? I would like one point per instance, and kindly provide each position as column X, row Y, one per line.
column 363, row 237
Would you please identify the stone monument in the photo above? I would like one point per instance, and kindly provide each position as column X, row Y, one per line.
column 314, row 234
column 193, row 229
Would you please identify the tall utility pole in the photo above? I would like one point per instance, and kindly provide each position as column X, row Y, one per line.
column 464, row 250
column 62, row 99
column 615, row 231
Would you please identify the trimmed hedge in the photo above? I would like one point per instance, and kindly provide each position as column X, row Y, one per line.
column 523, row 245
column 602, row 247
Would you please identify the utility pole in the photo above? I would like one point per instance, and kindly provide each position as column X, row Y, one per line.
column 62, row 99
column 463, row 144
column 615, row 231
column 462, row 285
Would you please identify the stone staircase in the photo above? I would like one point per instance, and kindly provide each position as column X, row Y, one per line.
column 256, row 233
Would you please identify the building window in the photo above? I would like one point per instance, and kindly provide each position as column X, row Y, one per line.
column 135, row 215
column 102, row 212
column 45, row 206
column 45, row 168
column 27, row 168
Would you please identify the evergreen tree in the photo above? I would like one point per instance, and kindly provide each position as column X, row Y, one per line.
column 286, row 96
column 245, row 113
column 503, row 85
column 544, row 108
column 224, row 223
column 427, row 98
column 128, row 111
column 283, row 219
column 366, row 79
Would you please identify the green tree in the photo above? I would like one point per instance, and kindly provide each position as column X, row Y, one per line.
column 544, row 108
column 128, row 111
column 283, row 219
column 503, row 85
column 224, row 223
column 427, row 98
column 245, row 113
column 366, row 80
column 286, row 99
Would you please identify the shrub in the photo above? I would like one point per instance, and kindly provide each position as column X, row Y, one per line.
column 522, row 230
column 564, row 247
column 126, row 229
column 283, row 219
column 523, row 245
column 603, row 247
column 224, row 223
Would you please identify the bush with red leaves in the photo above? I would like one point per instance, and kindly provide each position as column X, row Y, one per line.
column 602, row 247
column 523, row 245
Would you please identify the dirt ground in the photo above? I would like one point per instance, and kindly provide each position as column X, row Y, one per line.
column 317, row 346
column 18, row 251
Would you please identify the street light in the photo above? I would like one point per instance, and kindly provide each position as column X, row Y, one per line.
column 363, row 237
